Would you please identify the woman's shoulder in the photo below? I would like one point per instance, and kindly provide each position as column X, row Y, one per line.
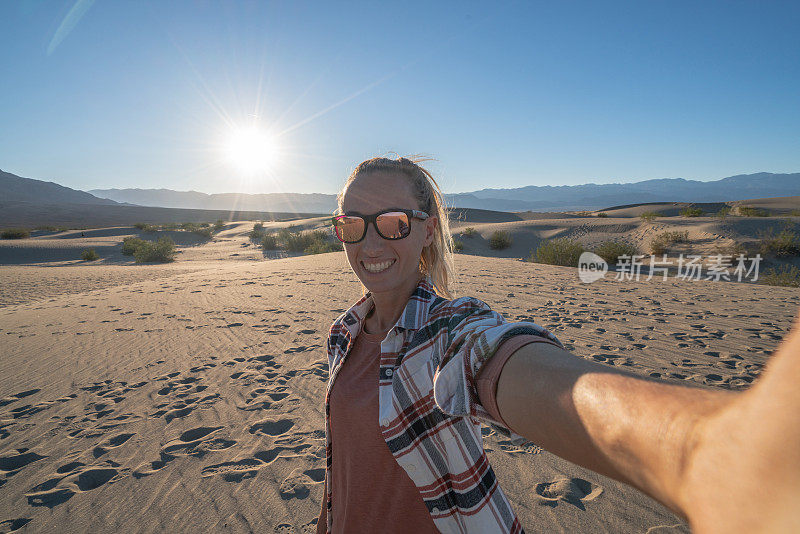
column 461, row 306
column 462, row 311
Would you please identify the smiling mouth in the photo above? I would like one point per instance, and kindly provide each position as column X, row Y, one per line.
column 375, row 268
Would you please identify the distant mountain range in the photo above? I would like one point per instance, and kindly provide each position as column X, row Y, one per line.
column 597, row 196
column 530, row 198
column 16, row 188
column 167, row 198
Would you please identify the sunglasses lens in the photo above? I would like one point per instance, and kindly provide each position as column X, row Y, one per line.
column 349, row 229
column 393, row 225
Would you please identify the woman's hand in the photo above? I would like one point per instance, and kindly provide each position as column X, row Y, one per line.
column 743, row 474
column 728, row 462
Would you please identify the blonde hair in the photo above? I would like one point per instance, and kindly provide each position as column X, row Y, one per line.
column 436, row 259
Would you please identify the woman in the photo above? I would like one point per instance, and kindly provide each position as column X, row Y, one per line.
column 405, row 454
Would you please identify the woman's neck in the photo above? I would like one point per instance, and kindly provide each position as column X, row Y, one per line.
column 387, row 308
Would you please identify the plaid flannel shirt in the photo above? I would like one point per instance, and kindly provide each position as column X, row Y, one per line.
column 429, row 412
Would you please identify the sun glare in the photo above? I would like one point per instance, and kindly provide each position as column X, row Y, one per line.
column 252, row 150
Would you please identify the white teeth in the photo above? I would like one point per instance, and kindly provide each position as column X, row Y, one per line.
column 377, row 267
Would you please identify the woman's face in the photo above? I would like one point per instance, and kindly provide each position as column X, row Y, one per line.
column 367, row 195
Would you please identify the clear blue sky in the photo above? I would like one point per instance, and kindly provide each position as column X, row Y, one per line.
column 122, row 94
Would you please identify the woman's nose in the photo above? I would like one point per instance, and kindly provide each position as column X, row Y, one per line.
column 372, row 240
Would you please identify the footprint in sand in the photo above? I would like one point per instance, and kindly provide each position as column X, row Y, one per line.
column 318, row 370
column 16, row 461
column 310, row 527
column 686, row 363
column 301, row 348
column 238, row 470
column 525, row 448
column 185, row 407
column 273, row 399
column 296, row 485
column 196, row 442
column 111, row 443
column 4, row 433
column 16, row 396
column 271, row 427
column 60, row 489
column 574, row 491
column 12, row 525
column 69, row 467
column 23, row 412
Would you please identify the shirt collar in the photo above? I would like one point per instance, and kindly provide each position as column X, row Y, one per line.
column 414, row 315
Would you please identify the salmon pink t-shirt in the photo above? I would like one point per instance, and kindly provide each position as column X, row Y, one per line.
column 372, row 490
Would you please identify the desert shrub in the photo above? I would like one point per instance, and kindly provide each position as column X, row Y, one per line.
column 269, row 242
column 89, row 255
column 170, row 226
column 258, row 232
column 219, row 225
column 162, row 251
column 786, row 243
column 723, row 212
column 499, row 240
column 140, row 226
column 794, row 213
column 46, row 229
column 691, row 212
column 305, row 241
column 787, row 275
column 561, row 251
column 321, row 247
column 319, row 243
column 660, row 242
column 15, row 233
column 205, row 225
column 468, row 231
column 130, row 244
column 293, row 241
column 602, row 214
column 748, row 211
column 610, row 251
column 458, row 245
column 649, row 215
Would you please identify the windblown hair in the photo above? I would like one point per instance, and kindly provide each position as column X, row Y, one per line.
column 437, row 258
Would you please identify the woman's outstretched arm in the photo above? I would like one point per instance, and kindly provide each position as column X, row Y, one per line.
column 728, row 462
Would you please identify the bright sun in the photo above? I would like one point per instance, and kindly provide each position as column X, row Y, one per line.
column 250, row 149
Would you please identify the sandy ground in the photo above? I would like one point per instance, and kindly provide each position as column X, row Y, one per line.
column 188, row 397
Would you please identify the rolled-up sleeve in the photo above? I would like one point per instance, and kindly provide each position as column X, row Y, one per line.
column 487, row 378
column 475, row 333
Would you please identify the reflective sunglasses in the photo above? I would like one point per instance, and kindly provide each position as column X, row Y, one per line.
column 393, row 223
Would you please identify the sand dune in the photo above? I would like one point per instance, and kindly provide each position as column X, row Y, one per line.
column 707, row 236
column 775, row 205
column 189, row 396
